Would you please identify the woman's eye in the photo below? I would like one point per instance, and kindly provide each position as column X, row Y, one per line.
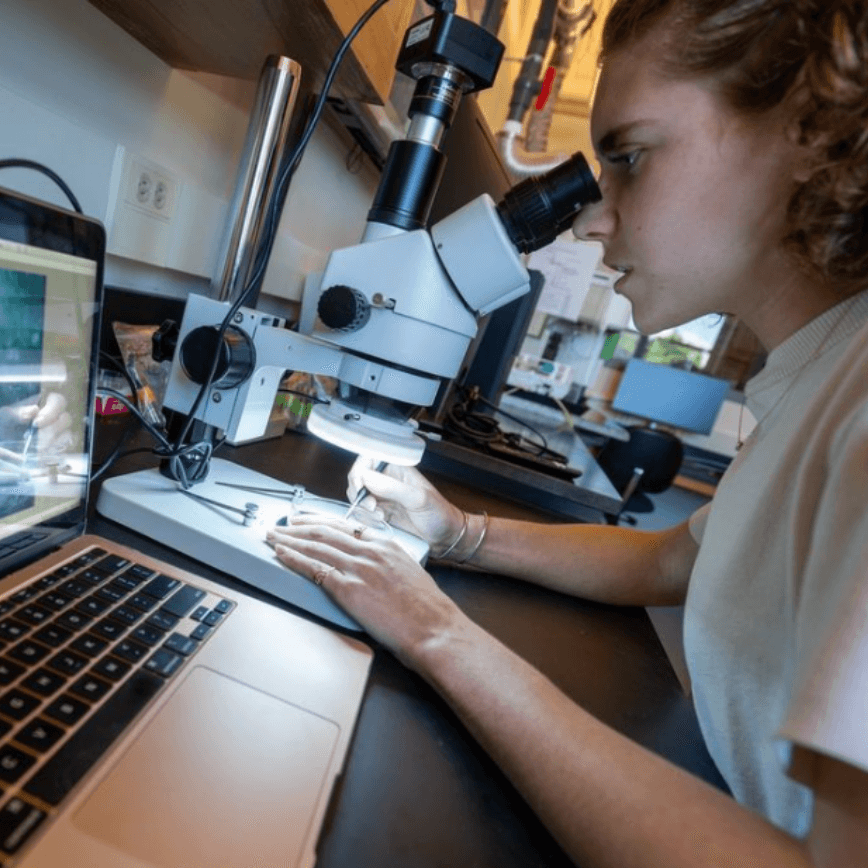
column 628, row 158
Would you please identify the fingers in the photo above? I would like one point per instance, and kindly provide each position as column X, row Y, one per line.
column 305, row 565
column 321, row 536
column 52, row 411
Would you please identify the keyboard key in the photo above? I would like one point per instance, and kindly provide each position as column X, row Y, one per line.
column 17, row 704
column 9, row 671
column 126, row 615
column 162, row 621
column 13, row 630
column 110, row 630
column 89, row 645
column 13, row 763
column 143, row 602
column 111, row 564
column 34, row 615
column 25, row 594
column 161, row 586
column 74, row 620
column 67, row 710
column 68, row 662
column 183, row 601
column 6, row 606
column 74, row 588
column 126, row 582
column 213, row 618
column 111, row 668
column 200, row 613
column 223, row 607
column 54, row 601
column 44, row 682
column 93, row 606
column 29, row 652
column 182, row 645
column 164, row 662
column 52, row 635
column 140, row 572
column 39, row 735
column 91, row 577
column 87, row 558
column 147, row 635
column 90, row 688
column 112, row 593
column 201, row 632
column 63, row 771
column 131, row 651
column 18, row 821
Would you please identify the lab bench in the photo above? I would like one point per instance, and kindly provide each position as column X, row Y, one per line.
column 417, row 789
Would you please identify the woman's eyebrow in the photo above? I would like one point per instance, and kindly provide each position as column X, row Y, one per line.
column 609, row 141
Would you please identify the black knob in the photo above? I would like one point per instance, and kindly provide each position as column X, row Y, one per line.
column 237, row 356
column 343, row 308
column 164, row 340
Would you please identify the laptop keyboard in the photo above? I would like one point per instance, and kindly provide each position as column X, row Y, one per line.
column 83, row 650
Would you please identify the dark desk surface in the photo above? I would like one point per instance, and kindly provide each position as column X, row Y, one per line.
column 417, row 790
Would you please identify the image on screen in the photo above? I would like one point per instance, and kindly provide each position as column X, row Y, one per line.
column 46, row 327
column 670, row 396
column 22, row 313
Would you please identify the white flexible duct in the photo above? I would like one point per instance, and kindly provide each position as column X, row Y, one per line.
column 532, row 160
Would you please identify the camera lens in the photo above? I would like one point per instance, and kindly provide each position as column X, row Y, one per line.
column 538, row 209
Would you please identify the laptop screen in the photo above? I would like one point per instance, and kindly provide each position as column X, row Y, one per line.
column 50, row 273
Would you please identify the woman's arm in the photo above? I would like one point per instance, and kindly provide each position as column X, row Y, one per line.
column 610, row 802
column 598, row 562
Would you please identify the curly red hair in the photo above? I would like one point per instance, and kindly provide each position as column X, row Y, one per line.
column 759, row 52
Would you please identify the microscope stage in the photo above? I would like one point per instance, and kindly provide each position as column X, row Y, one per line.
column 155, row 506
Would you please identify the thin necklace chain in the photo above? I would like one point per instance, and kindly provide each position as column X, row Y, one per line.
column 799, row 373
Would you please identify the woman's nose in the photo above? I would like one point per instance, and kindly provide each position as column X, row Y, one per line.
column 595, row 222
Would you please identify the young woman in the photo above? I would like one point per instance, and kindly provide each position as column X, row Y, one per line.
column 733, row 139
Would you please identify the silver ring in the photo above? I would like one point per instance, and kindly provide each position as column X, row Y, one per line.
column 357, row 533
column 321, row 573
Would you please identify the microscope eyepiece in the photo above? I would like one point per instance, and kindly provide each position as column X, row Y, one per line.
column 538, row 209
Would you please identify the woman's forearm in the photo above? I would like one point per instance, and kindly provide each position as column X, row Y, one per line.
column 608, row 801
column 598, row 562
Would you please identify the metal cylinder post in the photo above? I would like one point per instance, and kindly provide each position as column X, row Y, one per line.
column 257, row 175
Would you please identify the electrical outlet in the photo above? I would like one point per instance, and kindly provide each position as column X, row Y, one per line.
column 149, row 188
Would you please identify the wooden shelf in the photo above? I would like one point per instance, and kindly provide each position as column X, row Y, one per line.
column 233, row 38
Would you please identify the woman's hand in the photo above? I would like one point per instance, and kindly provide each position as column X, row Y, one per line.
column 51, row 421
column 408, row 501
column 375, row 581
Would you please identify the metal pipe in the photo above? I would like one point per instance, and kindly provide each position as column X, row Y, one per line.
column 258, row 170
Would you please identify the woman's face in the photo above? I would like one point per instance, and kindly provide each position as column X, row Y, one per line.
column 694, row 198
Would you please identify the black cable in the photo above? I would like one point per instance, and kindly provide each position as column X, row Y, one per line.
column 122, row 370
column 16, row 163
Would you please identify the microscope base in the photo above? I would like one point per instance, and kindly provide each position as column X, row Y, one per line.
column 153, row 505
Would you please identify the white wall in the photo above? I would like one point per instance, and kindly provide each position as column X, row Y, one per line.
column 74, row 87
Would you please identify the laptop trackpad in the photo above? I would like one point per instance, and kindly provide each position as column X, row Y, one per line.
column 224, row 775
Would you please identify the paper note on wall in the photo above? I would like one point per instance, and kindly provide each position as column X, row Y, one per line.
column 568, row 267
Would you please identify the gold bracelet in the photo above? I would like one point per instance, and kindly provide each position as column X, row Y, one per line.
column 475, row 548
column 456, row 540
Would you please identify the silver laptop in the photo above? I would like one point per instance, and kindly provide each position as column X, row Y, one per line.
column 148, row 717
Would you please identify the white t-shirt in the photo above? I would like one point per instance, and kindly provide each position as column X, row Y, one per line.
column 776, row 616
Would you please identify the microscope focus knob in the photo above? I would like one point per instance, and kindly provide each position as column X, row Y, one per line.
column 343, row 308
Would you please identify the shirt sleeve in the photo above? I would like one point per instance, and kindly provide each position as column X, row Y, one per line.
column 828, row 710
column 697, row 522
